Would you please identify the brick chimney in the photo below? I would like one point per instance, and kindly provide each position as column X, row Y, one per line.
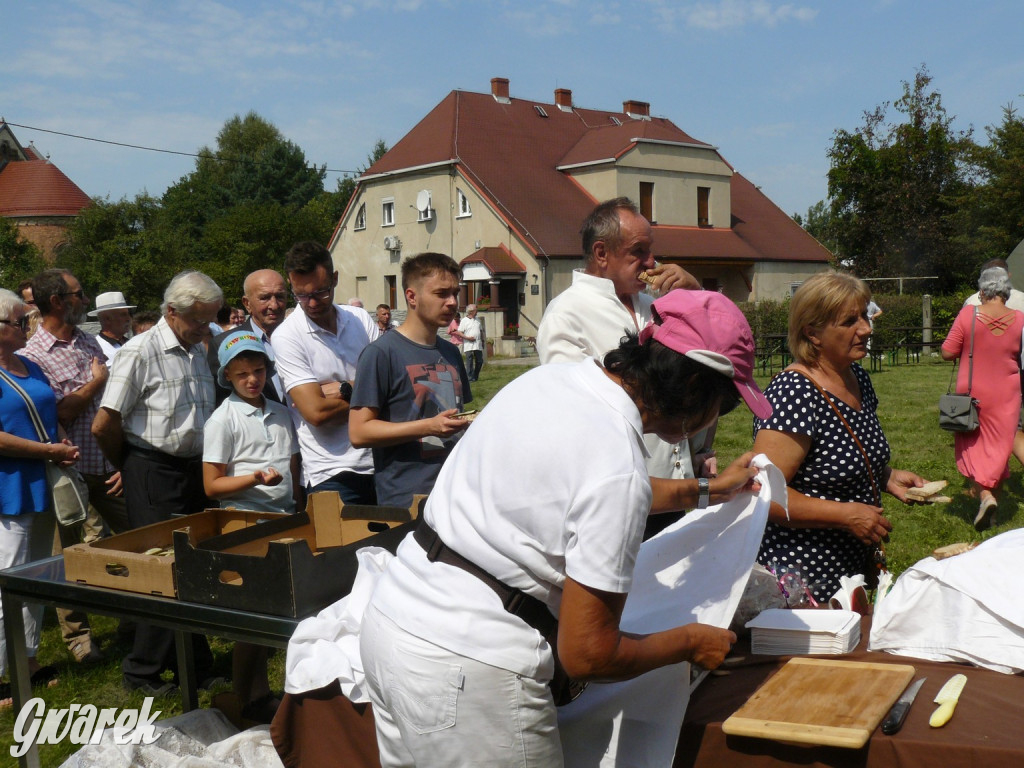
column 499, row 89
column 563, row 99
column 636, row 108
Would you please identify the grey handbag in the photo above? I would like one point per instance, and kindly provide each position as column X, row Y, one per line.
column 69, row 491
column 958, row 412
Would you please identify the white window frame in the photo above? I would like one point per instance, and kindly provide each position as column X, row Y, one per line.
column 360, row 222
column 426, row 215
column 463, row 209
column 387, row 212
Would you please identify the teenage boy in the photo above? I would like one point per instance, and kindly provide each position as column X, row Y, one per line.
column 250, row 455
column 410, row 385
column 250, row 461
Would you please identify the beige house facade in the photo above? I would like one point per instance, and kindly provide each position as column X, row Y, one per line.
column 502, row 185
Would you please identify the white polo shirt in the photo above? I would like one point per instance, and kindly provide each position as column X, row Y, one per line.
column 549, row 481
column 247, row 439
column 306, row 353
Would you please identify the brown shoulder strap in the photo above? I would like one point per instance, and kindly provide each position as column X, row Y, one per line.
column 863, row 453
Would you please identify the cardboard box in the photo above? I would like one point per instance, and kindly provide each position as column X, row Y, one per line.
column 119, row 561
column 292, row 567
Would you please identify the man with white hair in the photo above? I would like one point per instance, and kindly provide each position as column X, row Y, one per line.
column 114, row 314
column 150, row 425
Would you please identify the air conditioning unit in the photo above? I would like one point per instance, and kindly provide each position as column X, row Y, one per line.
column 392, row 243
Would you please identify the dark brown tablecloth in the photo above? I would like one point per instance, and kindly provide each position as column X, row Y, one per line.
column 987, row 728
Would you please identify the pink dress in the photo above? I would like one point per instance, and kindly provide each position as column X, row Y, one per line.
column 984, row 455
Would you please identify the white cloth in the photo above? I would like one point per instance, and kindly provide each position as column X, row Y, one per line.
column 306, row 353
column 579, row 513
column 589, row 320
column 325, row 647
column 163, row 391
column 963, row 609
column 693, row 571
column 247, row 439
column 470, row 327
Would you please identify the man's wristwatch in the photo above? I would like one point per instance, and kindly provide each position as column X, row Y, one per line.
column 703, row 492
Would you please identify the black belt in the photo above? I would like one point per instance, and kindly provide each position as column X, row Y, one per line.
column 167, row 459
column 527, row 607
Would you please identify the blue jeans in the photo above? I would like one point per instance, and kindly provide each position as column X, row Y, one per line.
column 474, row 362
column 353, row 487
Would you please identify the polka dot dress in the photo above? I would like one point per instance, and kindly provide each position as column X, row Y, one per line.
column 834, row 469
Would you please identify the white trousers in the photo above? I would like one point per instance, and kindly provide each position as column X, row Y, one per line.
column 435, row 708
column 24, row 539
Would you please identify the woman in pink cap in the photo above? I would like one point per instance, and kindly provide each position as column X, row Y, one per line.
column 538, row 512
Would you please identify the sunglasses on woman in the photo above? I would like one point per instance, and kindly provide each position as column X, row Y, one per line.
column 21, row 323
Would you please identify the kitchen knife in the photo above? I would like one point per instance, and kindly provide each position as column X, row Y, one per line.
column 946, row 698
column 894, row 720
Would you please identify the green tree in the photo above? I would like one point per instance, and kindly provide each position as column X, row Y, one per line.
column 897, row 190
column 999, row 209
column 117, row 246
column 19, row 259
column 819, row 224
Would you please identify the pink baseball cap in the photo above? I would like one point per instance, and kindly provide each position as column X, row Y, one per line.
column 705, row 326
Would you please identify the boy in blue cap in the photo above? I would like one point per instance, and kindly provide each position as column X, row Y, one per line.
column 250, row 455
column 250, row 461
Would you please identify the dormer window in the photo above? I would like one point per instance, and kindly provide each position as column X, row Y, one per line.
column 361, row 217
column 703, row 206
column 462, row 204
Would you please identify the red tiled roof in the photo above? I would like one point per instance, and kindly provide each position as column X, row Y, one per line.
column 511, row 153
column 771, row 232
column 499, row 260
column 38, row 188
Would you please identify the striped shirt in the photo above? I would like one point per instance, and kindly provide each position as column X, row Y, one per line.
column 68, row 366
column 163, row 392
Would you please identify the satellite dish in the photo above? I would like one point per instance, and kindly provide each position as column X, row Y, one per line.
column 423, row 200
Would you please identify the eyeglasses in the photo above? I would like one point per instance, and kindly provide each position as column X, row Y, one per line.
column 80, row 293
column 320, row 296
column 22, row 323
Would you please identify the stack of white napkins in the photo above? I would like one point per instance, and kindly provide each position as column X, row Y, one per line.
column 782, row 632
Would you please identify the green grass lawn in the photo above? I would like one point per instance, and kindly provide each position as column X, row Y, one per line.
column 908, row 397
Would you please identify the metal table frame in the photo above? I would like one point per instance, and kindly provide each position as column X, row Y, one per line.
column 43, row 582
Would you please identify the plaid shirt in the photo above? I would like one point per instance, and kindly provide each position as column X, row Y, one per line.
column 163, row 391
column 68, row 366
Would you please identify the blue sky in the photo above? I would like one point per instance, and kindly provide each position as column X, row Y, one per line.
column 766, row 82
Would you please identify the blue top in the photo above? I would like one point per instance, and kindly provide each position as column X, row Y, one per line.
column 23, row 485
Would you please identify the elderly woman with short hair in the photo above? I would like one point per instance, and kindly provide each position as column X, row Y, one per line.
column 983, row 455
column 825, row 436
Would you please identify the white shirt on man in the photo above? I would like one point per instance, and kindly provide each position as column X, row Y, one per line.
column 163, row 392
column 581, row 514
column 470, row 326
column 589, row 320
column 306, row 353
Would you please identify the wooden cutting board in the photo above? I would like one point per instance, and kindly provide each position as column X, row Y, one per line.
column 822, row 702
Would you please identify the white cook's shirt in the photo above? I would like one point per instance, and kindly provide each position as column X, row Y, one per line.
column 529, row 508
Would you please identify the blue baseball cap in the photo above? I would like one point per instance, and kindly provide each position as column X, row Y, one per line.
column 235, row 343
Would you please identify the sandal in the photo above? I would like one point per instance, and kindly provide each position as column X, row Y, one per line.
column 986, row 514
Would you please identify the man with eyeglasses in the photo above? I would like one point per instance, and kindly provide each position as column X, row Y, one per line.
column 265, row 299
column 74, row 363
column 317, row 348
